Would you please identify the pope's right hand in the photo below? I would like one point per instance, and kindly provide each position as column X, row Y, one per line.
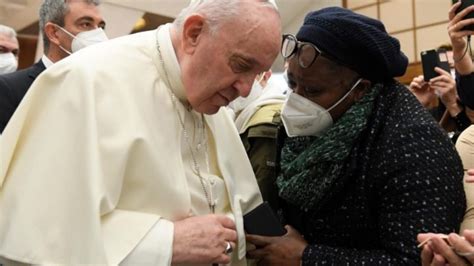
column 203, row 239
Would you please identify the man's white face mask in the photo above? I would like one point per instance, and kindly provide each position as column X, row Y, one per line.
column 8, row 63
column 240, row 103
column 303, row 117
column 84, row 39
column 285, row 76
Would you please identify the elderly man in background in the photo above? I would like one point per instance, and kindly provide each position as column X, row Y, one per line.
column 66, row 27
column 9, row 50
column 121, row 153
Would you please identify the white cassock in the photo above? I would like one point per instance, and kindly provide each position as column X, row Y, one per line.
column 94, row 166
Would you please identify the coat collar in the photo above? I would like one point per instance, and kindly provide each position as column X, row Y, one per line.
column 36, row 69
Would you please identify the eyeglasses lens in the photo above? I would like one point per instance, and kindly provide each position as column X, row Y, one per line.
column 288, row 47
column 306, row 55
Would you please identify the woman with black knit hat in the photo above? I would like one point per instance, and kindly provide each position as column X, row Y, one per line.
column 364, row 168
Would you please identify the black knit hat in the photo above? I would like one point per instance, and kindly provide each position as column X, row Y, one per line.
column 360, row 42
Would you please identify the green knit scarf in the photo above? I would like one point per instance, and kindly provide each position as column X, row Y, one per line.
column 311, row 166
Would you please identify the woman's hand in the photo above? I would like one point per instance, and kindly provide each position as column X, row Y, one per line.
column 456, row 23
column 422, row 91
column 453, row 250
column 445, row 86
column 285, row 250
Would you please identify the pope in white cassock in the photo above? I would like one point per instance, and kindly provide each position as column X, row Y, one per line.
column 121, row 155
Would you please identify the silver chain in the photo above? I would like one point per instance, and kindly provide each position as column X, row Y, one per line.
column 197, row 169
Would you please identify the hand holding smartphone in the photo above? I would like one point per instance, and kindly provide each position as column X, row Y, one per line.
column 431, row 59
column 263, row 221
column 465, row 4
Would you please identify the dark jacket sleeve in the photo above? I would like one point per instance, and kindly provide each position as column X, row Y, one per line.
column 465, row 88
column 13, row 87
column 418, row 188
column 7, row 103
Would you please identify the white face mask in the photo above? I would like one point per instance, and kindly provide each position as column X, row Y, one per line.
column 302, row 117
column 84, row 39
column 8, row 63
column 240, row 103
column 285, row 76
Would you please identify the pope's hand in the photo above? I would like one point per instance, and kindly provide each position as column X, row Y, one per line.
column 203, row 239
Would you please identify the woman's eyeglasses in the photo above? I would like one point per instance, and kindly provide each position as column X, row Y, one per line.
column 306, row 52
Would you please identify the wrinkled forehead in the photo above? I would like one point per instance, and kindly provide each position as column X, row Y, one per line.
column 78, row 9
column 255, row 36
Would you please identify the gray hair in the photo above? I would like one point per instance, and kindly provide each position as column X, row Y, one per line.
column 7, row 31
column 55, row 11
column 216, row 11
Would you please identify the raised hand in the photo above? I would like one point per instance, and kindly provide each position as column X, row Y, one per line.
column 445, row 86
column 422, row 91
column 456, row 23
column 463, row 62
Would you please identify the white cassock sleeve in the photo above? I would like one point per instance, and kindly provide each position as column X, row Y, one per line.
column 155, row 248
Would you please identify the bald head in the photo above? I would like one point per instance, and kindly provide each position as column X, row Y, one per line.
column 218, row 12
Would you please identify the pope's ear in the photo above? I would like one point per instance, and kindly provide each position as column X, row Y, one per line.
column 51, row 32
column 193, row 29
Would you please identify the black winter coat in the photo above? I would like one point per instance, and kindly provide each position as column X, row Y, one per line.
column 403, row 177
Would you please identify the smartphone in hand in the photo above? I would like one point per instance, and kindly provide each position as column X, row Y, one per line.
column 466, row 4
column 263, row 221
column 431, row 59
